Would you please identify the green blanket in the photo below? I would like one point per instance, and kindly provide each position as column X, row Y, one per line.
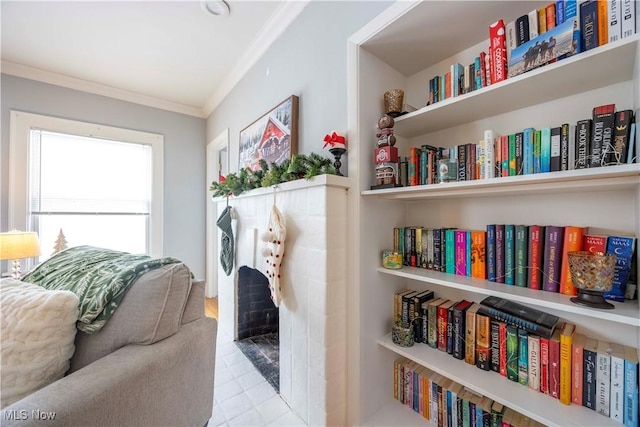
column 100, row 278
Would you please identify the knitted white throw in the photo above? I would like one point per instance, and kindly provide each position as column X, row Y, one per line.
column 38, row 331
column 274, row 251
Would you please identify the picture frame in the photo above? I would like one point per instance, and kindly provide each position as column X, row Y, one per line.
column 272, row 137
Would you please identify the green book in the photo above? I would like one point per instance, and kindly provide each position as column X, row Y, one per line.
column 450, row 254
column 521, row 255
column 523, row 356
column 537, row 151
column 512, row 353
column 466, row 416
column 512, row 155
column 509, row 254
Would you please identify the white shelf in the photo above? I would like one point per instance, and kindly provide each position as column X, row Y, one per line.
column 627, row 313
column 544, row 84
column 535, row 405
column 622, row 177
column 395, row 413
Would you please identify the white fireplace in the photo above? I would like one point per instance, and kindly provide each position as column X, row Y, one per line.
column 313, row 318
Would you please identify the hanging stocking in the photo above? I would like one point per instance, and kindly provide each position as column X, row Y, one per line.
column 273, row 252
column 226, row 241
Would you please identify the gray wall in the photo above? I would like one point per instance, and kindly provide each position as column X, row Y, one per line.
column 308, row 60
column 184, row 153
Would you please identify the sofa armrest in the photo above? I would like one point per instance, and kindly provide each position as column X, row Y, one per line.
column 169, row 383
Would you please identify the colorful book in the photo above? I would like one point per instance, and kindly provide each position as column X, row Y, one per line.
column 551, row 262
column 470, row 335
column 527, row 154
column 461, row 252
column 459, row 328
column 589, row 356
column 603, row 25
column 572, row 241
column 513, row 171
column 544, row 365
column 512, row 313
column 534, row 362
column 483, row 343
column 623, row 248
column 617, row 154
column 503, row 349
column 500, row 253
column 521, row 247
column 443, row 316
column 602, row 134
column 545, row 150
column 577, row 348
column 603, row 378
column 523, row 357
column 478, row 254
column 594, row 244
column 498, row 51
column 583, row 144
column 509, row 254
column 512, row 353
column 589, row 24
column 630, row 386
column 534, row 251
column 491, row 252
column 433, row 321
column 495, row 346
column 616, row 401
column 566, row 340
column 450, row 251
column 554, row 364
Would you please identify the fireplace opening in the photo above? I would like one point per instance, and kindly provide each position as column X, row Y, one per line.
column 258, row 323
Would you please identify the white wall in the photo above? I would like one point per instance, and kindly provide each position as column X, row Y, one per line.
column 184, row 153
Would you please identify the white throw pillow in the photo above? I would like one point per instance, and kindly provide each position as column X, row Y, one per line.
column 38, row 331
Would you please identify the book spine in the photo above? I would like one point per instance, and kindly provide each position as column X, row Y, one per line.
column 554, row 367
column 619, row 152
column 535, row 249
column 521, row 256
column 523, row 357
column 500, row 253
column 461, row 252
column 519, row 153
column 602, row 136
column 631, row 391
column 522, row 30
column 544, row 365
column 589, row 379
column 616, row 405
column 577, row 373
column 497, row 40
column 512, row 353
column 573, row 240
column 512, row 155
column 603, row 381
column 459, row 332
column 552, row 258
column 462, row 163
column 413, row 261
column 583, row 144
column 503, row 349
column 442, row 327
column 450, row 251
column 542, row 20
column 572, row 147
column 560, row 13
column 628, row 18
column 534, row 362
column 483, row 343
column 478, row 254
column 554, row 161
column 533, row 24
column 491, row 252
column 450, row 336
column 489, row 155
column 516, row 321
column 470, row 337
column 623, row 248
column 589, row 24
column 551, row 16
column 613, row 17
column 545, row 150
column 509, row 254
column 504, row 149
column 495, row 346
column 527, row 155
column 537, row 151
column 433, row 326
column 437, row 249
column 565, row 368
column 564, row 147
column 603, row 25
column 406, row 259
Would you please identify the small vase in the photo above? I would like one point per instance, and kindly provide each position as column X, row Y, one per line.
column 337, row 154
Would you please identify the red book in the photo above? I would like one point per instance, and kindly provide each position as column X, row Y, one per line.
column 447, row 85
column 595, row 244
column 443, row 313
column 505, row 154
column 535, row 249
column 544, row 365
column 554, row 364
column 483, row 74
column 551, row 16
column 414, row 166
column 573, row 241
column 461, row 252
column 503, row 349
column 498, row 43
column 577, row 348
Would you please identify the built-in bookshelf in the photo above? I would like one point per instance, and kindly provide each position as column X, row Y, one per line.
column 606, row 199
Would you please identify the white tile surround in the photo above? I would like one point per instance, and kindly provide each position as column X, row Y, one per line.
column 313, row 312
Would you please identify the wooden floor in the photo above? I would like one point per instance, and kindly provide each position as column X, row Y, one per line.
column 211, row 307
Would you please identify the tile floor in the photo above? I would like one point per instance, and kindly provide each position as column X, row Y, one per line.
column 242, row 397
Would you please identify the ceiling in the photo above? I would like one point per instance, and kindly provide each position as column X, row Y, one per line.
column 168, row 54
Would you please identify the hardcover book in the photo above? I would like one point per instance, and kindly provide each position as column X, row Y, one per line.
column 630, row 386
column 512, row 313
column 433, row 321
column 509, row 254
column 512, row 353
column 577, row 348
column 589, row 354
column 589, row 24
column 573, row 241
column 616, row 401
column 534, row 252
column 483, row 343
column 523, row 357
column 544, row 365
column 459, row 328
column 498, row 51
column 534, row 362
column 500, row 253
column 623, row 248
column 617, row 154
column 491, row 252
column 443, row 315
column 603, row 378
column 521, row 255
column 583, row 144
column 602, row 134
column 554, row 161
column 566, row 340
column 594, row 244
column 495, row 346
column 470, row 334
column 551, row 263
column 554, row 364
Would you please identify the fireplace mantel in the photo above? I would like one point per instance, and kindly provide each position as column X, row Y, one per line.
column 312, row 315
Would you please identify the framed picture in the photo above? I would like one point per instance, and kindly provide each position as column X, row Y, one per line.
column 273, row 137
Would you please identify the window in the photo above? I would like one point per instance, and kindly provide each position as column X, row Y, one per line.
column 101, row 185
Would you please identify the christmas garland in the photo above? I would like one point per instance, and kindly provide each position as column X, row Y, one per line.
column 300, row 166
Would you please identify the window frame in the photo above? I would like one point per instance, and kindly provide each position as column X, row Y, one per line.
column 22, row 123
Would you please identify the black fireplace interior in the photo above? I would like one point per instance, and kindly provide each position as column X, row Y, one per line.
column 258, row 324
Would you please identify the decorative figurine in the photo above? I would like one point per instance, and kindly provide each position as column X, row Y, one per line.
column 386, row 155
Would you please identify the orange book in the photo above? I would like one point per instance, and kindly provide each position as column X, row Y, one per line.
column 573, row 240
column 551, row 16
column 478, row 246
column 603, row 23
column 447, row 85
column 542, row 20
column 577, row 348
column 566, row 340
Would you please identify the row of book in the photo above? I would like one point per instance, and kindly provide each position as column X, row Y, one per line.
column 447, row 403
column 606, row 139
column 542, row 36
column 528, row 346
column 532, row 256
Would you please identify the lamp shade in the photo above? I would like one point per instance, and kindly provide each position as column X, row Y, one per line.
column 19, row 244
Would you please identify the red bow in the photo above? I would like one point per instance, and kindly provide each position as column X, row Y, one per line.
column 333, row 139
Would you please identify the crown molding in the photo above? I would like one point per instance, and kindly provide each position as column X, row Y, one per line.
column 49, row 77
column 273, row 28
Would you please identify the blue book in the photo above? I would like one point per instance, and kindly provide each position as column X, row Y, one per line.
column 560, row 13
column 479, row 417
column 570, row 9
column 423, row 167
column 622, row 248
column 491, row 252
column 450, row 408
column 527, row 158
column 468, row 257
column 416, row 391
column 509, row 253
column 589, row 24
column 545, row 150
column 632, row 144
column 500, row 253
column 457, row 73
column 443, row 83
column 478, row 75
column 523, row 356
column 630, row 387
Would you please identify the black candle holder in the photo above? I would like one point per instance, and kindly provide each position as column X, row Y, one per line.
column 337, row 153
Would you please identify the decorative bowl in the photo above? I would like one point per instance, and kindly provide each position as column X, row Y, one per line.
column 592, row 274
